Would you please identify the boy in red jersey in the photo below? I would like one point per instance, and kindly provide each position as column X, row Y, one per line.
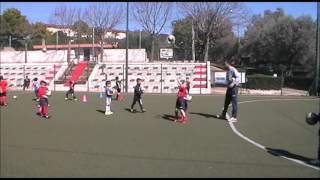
column 42, row 93
column 3, row 91
column 181, row 103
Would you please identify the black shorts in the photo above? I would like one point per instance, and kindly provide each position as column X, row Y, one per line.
column 181, row 103
column 118, row 90
column 3, row 94
column 43, row 102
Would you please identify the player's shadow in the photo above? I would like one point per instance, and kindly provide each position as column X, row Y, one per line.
column 100, row 111
column 128, row 109
column 207, row 115
column 285, row 153
column 168, row 117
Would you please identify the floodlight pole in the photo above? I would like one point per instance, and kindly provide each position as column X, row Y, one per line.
column 127, row 45
column 93, row 54
column 317, row 49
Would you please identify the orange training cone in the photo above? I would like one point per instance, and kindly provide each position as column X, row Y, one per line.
column 84, row 98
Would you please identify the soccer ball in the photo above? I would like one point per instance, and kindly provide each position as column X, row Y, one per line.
column 171, row 38
column 14, row 97
column 49, row 93
column 311, row 118
column 188, row 98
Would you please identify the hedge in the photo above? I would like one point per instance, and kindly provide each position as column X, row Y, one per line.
column 301, row 83
column 263, row 82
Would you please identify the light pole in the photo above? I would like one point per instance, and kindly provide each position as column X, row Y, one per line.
column 193, row 48
column 57, row 39
column 140, row 39
column 93, row 54
column 127, row 45
column 317, row 49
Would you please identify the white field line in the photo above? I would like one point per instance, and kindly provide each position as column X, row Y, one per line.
column 234, row 129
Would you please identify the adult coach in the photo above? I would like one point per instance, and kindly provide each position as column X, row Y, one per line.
column 233, row 81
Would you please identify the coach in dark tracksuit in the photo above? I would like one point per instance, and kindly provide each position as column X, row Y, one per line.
column 317, row 161
column 137, row 97
column 233, row 81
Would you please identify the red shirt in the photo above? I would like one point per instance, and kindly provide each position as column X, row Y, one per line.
column 71, row 84
column 42, row 91
column 3, row 86
column 182, row 91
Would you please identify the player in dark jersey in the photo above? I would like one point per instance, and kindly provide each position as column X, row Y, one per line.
column 118, row 88
column 137, row 97
column 188, row 84
column 71, row 91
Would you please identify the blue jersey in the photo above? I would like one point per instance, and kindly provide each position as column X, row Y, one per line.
column 109, row 91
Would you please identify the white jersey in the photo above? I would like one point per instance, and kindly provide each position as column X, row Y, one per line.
column 35, row 85
column 233, row 73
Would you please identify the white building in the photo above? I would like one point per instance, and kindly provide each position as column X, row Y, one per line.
column 117, row 34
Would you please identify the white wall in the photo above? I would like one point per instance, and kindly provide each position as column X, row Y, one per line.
column 50, row 56
column 119, row 55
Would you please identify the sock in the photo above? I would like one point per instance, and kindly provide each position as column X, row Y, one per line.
column 40, row 110
column 45, row 110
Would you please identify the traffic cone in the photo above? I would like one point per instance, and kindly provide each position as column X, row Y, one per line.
column 84, row 98
column 101, row 95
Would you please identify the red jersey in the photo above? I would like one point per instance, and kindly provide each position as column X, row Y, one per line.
column 182, row 91
column 71, row 84
column 3, row 86
column 42, row 91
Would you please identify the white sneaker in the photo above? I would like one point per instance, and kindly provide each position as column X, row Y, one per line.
column 108, row 113
column 232, row 119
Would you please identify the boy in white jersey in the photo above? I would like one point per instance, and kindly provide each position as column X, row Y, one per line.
column 109, row 93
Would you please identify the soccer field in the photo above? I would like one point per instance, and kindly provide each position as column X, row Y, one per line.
column 271, row 138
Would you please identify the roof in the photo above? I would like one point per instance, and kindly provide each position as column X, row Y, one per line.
column 66, row 46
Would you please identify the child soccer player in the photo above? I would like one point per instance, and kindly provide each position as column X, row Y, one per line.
column 137, row 97
column 109, row 94
column 118, row 87
column 35, row 85
column 71, row 91
column 42, row 93
column 3, row 91
column 188, row 85
column 181, row 103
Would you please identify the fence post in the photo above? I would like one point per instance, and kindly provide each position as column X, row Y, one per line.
column 200, row 78
column 240, row 83
column 161, row 79
column 54, row 77
column 88, row 76
column 281, row 82
column 122, row 78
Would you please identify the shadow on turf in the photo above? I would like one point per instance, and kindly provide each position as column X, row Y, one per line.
column 207, row 115
column 101, row 111
column 285, row 153
column 168, row 117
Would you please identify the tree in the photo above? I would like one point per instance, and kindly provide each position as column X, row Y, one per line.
column 182, row 32
column 65, row 17
column 278, row 39
column 152, row 16
column 209, row 18
column 14, row 24
column 103, row 17
column 224, row 47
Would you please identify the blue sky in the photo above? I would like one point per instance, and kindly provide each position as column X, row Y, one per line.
column 41, row 11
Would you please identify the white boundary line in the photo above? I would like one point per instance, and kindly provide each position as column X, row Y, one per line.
column 234, row 129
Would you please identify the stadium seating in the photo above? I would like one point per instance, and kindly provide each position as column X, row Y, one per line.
column 156, row 77
column 15, row 73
